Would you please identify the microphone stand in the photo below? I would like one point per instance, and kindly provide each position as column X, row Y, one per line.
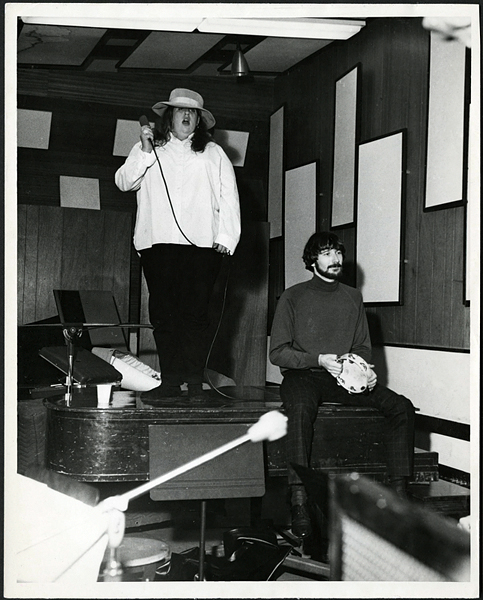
column 70, row 334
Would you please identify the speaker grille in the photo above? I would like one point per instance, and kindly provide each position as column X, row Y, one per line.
column 368, row 557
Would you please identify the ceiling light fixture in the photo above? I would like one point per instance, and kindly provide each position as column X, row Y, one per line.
column 314, row 28
column 239, row 65
column 160, row 24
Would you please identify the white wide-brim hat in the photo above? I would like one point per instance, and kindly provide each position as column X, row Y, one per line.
column 182, row 98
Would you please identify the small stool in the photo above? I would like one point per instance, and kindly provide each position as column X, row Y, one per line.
column 141, row 555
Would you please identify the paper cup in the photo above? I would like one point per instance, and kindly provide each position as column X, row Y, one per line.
column 103, row 395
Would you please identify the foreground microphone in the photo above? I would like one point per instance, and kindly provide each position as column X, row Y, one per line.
column 271, row 426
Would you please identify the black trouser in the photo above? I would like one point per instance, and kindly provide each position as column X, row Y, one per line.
column 302, row 391
column 180, row 281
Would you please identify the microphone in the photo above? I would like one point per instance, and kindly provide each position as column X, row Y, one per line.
column 144, row 122
column 271, row 426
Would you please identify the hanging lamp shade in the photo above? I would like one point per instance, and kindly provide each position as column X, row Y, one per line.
column 239, row 65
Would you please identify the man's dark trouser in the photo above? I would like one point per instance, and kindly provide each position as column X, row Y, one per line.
column 302, row 391
column 180, row 280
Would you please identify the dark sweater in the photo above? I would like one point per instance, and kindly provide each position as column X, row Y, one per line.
column 317, row 317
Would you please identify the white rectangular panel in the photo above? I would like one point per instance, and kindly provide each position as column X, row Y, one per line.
column 234, row 143
column 300, row 196
column 126, row 135
column 275, row 174
column 439, row 384
column 344, row 150
column 79, row 192
column 379, row 219
column 444, row 176
column 33, row 128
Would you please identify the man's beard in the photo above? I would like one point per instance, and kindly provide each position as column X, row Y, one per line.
column 330, row 272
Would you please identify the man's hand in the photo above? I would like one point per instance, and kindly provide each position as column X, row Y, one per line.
column 221, row 249
column 330, row 363
column 371, row 378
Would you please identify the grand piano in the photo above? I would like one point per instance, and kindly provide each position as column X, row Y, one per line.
column 113, row 444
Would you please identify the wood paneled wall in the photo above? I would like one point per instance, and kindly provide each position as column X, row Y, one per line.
column 227, row 97
column 70, row 249
column 394, row 58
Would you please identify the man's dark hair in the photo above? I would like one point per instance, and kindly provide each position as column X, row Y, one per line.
column 322, row 240
column 164, row 125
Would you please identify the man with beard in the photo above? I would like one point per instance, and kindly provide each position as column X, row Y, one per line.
column 315, row 323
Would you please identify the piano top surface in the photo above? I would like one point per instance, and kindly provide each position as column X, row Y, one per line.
column 229, row 400
column 227, row 403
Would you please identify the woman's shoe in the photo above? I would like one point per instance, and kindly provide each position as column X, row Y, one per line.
column 195, row 391
column 164, row 390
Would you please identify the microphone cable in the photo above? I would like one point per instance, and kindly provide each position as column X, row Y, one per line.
column 144, row 122
column 206, row 374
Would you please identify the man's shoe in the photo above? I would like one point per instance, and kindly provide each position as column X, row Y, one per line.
column 301, row 525
column 399, row 486
column 164, row 390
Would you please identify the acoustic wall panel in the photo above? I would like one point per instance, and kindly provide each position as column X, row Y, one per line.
column 234, row 143
column 126, row 135
column 79, row 192
column 33, row 128
column 300, row 196
column 445, row 151
column 345, row 131
column 275, row 174
column 438, row 376
column 379, row 218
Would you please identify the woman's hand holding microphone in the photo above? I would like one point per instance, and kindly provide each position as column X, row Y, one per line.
column 147, row 135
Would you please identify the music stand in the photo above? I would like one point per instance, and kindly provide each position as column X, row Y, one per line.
column 96, row 307
column 237, row 474
column 76, row 309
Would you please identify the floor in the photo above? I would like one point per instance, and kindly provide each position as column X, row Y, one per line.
column 178, row 524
